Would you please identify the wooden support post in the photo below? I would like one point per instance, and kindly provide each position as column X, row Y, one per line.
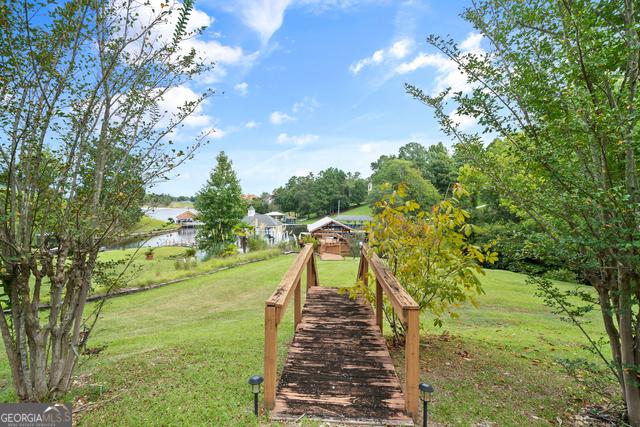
column 379, row 306
column 270, row 356
column 365, row 270
column 310, row 273
column 412, row 361
column 297, row 313
column 316, row 280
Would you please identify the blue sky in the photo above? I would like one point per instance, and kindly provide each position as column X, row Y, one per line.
column 308, row 84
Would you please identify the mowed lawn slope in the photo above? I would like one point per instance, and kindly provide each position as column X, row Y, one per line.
column 182, row 354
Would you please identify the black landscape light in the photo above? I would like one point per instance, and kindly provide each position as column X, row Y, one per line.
column 425, row 394
column 255, row 382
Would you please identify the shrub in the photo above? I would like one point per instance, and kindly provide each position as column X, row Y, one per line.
column 256, row 243
column 288, row 245
column 190, row 252
column 307, row 238
column 229, row 250
column 562, row 275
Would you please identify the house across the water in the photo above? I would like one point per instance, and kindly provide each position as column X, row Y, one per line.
column 186, row 219
column 266, row 226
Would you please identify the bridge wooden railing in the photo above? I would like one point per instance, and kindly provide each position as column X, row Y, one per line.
column 409, row 313
column 274, row 311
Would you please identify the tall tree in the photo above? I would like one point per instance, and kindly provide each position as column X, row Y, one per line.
column 220, row 206
column 559, row 86
column 392, row 172
column 81, row 136
column 434, row 163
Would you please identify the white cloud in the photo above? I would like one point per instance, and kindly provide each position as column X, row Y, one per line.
column 299, row 140
column 251, row 124
column 368, row 147
column 242, row 88
column 472, row 43
column 423, row 60
column 208, row 49
column 175, row 98
column 398, row 50
column 463, row 121
column 401, row 48
column 218, row 133
column 278, row 118
column 265, row 17
column 308, row 104
column 447, row 73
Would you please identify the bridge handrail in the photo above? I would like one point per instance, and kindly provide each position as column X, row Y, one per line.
column 275, row 308
column 406, row 309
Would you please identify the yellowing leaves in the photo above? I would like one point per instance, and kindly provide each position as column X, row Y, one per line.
column 429, row 251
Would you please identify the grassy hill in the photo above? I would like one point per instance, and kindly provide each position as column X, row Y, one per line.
column 358, row 210
column 182, row 354
column 148, row 225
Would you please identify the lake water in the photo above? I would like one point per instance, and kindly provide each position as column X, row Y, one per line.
column 181, row 237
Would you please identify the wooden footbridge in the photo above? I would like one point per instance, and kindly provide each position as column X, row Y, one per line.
column 338, row 367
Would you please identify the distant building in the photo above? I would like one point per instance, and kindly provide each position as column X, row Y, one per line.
column 186, row 219
column 332, row 235
column 269, row 228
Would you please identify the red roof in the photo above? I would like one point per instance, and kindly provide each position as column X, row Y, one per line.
column 186, row 215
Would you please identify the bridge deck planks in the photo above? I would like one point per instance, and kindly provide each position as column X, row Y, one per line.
column 338, row 367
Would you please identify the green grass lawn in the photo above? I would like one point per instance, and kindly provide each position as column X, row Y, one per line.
column 182, row 354
column 358, row 210
column 162, row 268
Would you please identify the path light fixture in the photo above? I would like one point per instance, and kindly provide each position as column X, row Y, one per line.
column 255, row 382
column 425, row 395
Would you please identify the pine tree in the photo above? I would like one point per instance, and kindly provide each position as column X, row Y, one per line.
column 220, row 207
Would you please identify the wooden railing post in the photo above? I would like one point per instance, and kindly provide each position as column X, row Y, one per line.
column 297, row 308
column 270, row 356
column 412, row 361
column 311, row 278
column 379, row 307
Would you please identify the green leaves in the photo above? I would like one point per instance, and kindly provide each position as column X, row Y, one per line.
column 429, row 251
column 220, row 207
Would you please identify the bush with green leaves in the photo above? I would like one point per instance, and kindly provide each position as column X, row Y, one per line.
column 256, row 243
column 307, row 238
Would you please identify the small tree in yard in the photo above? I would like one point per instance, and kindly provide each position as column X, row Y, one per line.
column 429, row 253
column 559, row 87
column 81, row 136
column 220, row 207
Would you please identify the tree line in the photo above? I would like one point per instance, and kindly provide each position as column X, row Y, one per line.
column 322, row 193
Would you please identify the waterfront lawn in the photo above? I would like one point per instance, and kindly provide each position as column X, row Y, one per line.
column 181, row 354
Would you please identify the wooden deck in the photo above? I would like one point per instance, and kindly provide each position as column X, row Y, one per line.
column 338, row 367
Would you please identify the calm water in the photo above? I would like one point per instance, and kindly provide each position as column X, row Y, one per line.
column 182, row 237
